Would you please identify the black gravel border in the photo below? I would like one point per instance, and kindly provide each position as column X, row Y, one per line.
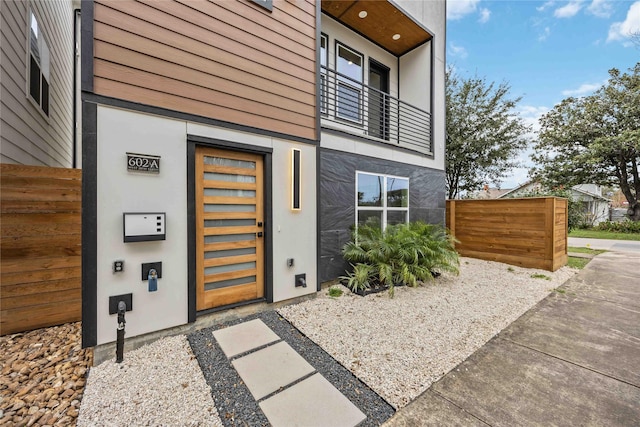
column 237, row 407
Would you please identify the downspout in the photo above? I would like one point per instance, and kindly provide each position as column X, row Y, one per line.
column 76, row 52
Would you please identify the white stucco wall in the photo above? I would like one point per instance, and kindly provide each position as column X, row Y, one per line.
column 410, row 80
column 121, row 191
column 122, row 131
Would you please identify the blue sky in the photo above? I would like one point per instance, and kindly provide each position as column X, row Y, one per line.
column 546, row 50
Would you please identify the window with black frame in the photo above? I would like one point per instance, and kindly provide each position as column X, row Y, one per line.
column 39, row 66
column 381, row 199
column 349, row 84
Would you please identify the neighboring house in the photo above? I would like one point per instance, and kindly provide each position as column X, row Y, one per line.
column 238, row 142
column 490, row 193
column 38, row 115
column 595, row 206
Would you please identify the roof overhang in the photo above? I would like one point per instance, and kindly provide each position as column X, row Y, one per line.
column 380, row 21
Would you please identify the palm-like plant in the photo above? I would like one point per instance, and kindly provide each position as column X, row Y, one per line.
column 403, row 253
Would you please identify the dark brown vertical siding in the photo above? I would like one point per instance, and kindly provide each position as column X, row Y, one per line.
column 228, row 60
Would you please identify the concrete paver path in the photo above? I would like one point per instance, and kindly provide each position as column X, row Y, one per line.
column 573, row 360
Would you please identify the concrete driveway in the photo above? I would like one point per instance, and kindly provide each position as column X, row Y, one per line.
column 572, row 360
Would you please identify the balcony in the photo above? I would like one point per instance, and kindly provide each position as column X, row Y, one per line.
column 352, row 107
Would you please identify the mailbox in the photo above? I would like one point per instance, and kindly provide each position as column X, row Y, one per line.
column 144, row 227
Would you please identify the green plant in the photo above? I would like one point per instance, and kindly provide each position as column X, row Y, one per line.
column 540, row 276
column 511, row 269
column 560, row 291
column 401, row 254
column 577, row 263
column 599, row 234
column 335, row 292
column 586, row 250
column 619, row 227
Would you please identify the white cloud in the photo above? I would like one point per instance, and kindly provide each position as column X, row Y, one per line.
column 485, row 14
column 623, row 30
column 531, row 116
column 545, row 6
column 600, row 8
column 568, row 10
column 457, row 51
column 457, row 9
column 545, row 34
column 584, row 89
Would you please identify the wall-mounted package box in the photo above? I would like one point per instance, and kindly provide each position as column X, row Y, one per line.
column 144, row 227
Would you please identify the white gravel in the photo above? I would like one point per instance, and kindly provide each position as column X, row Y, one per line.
column 400, row 346
column 159, row 384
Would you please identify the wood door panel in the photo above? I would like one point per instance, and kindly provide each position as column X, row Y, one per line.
column 229, row 261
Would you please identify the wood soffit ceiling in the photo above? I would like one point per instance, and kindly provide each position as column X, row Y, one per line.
column 383, row 20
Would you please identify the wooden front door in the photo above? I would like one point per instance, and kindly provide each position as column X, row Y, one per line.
column 229, row 227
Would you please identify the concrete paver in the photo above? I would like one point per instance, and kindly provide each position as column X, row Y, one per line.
column 311, row 402
column 266, row 370
column 574, row 359
column 243, row 337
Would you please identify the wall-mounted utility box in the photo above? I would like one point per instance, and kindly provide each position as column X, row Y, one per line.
column 144, row 227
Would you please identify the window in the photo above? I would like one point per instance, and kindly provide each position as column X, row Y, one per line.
column 38, row 66
column 323, row 72
column 349, row 84
column 267, row 4
column 381, row 199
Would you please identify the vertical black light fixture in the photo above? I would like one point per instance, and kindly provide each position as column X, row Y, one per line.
column 295, row 179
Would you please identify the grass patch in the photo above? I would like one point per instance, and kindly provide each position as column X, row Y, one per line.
column 598, row 234
column 511, row 269
column 578, row 263
column 540, row 276
column 335, row 292
column 560, row 291
column 585, row 250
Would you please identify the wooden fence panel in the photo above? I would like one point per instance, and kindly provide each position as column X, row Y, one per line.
column 530, row 232
column 40, row 247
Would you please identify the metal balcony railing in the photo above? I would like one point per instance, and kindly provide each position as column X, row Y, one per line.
column 356, row 108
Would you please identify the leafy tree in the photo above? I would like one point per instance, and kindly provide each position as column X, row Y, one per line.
column 484, row 133
column 595, row 139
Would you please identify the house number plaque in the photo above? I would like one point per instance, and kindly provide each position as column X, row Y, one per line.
column 143, row 163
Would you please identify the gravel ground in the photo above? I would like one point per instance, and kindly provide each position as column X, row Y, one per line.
column 42, row 376
column 233, row 399
column 399, row 346
column 159, row 384
column 379, row 352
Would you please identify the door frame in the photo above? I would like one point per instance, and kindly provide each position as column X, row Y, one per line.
column 267, row 153
column 385, row 72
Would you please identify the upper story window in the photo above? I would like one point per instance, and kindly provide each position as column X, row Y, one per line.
column 39, row 66
column 267, row 4
column 381, row 199
column 324, row 56
column 349, row 65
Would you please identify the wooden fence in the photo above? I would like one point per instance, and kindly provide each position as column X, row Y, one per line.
column 529, row 232
column 40, row 247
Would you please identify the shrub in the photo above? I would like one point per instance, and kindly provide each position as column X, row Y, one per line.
column 626, row 226
column 401, row 254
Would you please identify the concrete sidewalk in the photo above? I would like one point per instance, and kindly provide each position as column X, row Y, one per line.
column 572, row 360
